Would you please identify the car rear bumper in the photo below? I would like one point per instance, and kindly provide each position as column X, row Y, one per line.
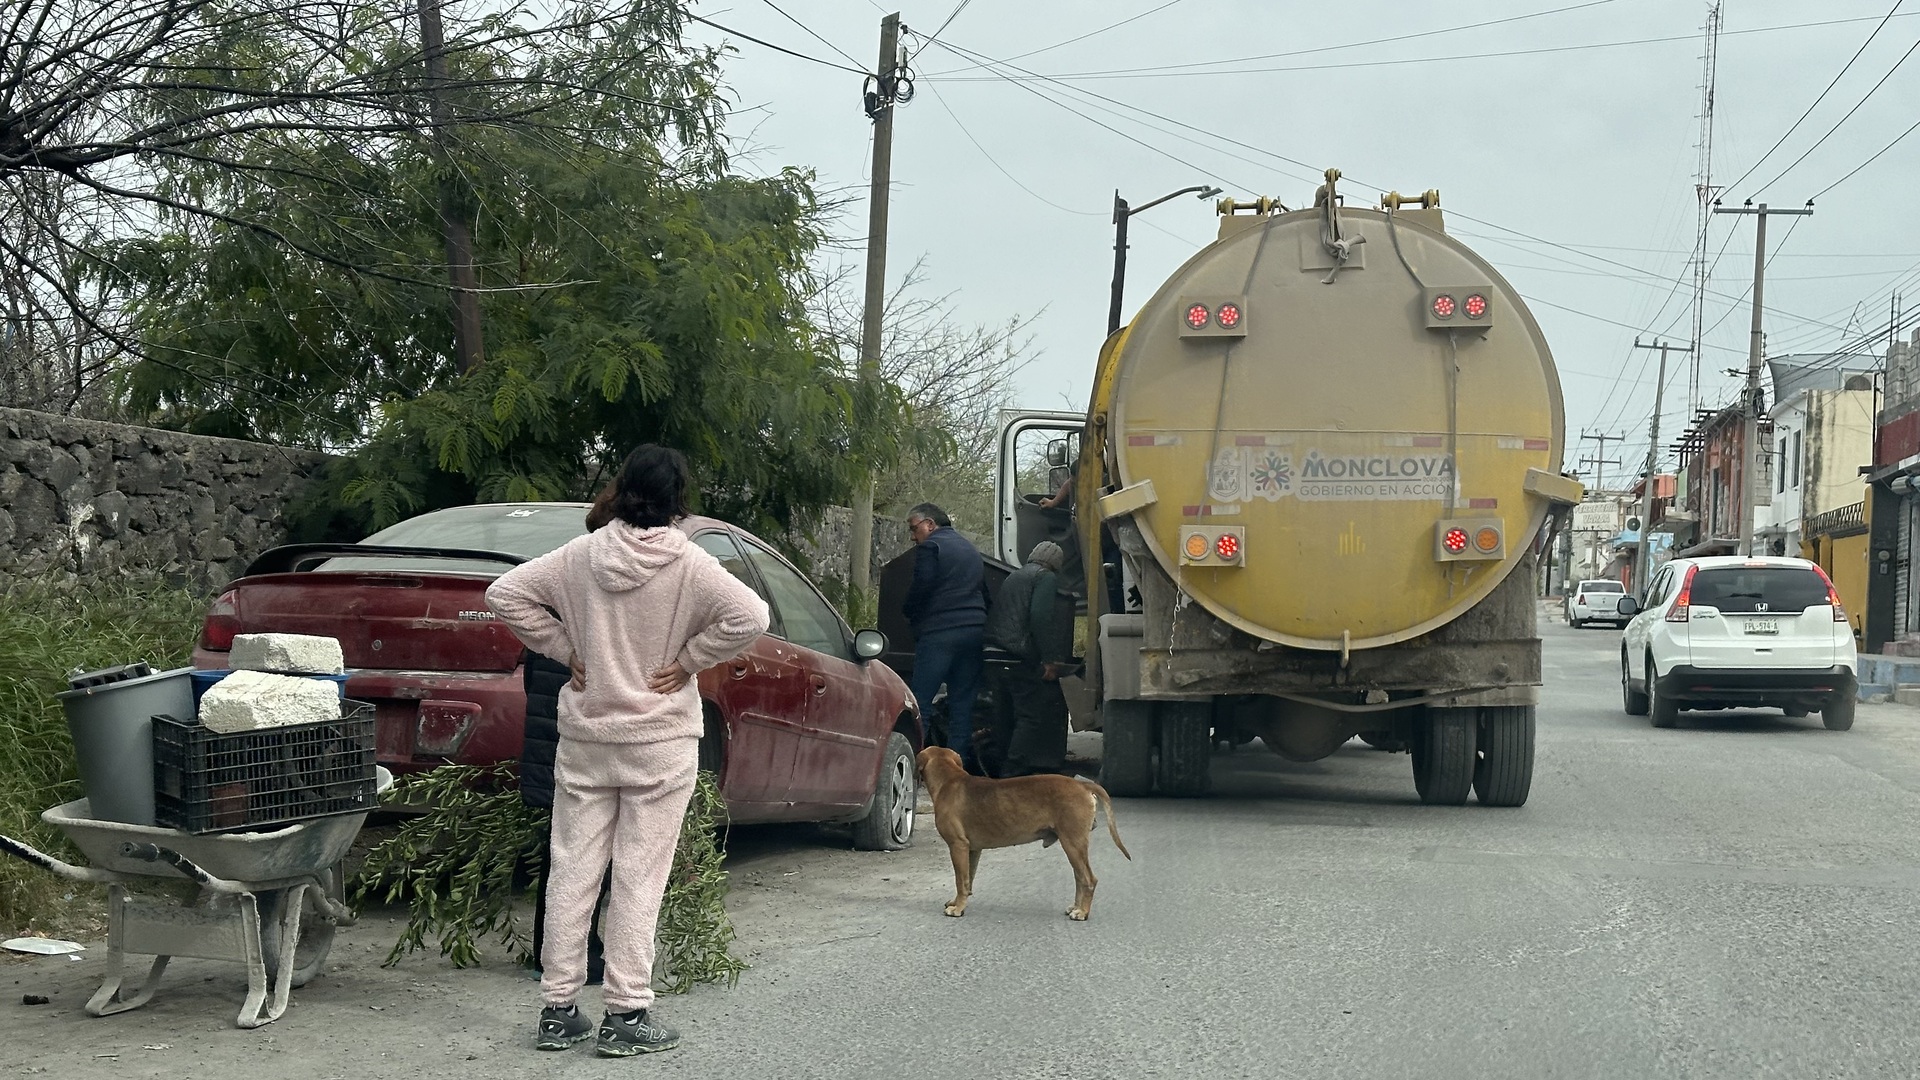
column 1756, row 686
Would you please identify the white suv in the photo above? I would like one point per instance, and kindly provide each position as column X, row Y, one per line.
column 1594, row 601
column 1733, row 632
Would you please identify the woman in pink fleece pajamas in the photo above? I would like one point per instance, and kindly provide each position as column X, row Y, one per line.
column 640, row 611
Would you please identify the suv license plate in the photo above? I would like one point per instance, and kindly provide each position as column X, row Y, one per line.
column 1763, row 626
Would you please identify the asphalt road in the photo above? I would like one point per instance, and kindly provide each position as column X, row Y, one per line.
column 1734, row 898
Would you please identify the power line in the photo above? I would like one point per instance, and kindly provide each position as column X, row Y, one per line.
column 810, row 30
column 1069, row 41
column 775, row 48
column 1003, row 169
column 1294, row 52
column 1881, row 25
column 1844, row 119
column 1167, row 72
column 952, row 15
column 1869, row 161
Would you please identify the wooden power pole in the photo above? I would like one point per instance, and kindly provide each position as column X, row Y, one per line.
column 467, row 342
column 880, row 110
column 1750, row 451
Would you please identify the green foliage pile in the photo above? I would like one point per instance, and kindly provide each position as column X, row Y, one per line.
column 47, row 628
column 455, row 868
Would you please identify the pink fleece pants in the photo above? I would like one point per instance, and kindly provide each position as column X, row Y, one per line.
column 618, row 802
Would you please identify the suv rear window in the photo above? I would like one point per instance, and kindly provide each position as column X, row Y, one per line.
column 1601, row 586
column 1787, row 589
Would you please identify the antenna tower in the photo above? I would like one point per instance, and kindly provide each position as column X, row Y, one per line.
column 1703, row 187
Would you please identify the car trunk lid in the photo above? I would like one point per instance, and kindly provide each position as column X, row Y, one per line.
column 392, row 620
column 1763, row 616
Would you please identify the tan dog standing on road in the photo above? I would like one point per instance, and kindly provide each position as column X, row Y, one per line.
column 974, row 814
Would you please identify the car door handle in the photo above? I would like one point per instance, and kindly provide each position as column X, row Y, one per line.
column 738, row 671
column 819, row 684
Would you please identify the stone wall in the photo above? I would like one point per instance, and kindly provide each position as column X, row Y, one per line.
column 88, row 498
column 832, row 542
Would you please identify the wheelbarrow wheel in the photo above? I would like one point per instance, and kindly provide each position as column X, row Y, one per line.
column 316, row 929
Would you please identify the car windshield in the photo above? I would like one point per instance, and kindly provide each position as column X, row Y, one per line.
column 1785, row 589
column 515, row 528
column 1601, row 586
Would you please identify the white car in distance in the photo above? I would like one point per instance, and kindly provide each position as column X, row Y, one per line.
column 1734, row 632
column 1595, row 601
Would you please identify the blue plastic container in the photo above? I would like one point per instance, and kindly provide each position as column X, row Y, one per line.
column 204, row 679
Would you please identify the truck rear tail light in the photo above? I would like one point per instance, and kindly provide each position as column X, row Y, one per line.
column 222, row 623
column 1444, row 306
column 444, row 727
column 1682, row 608
column 1213, row 545
column 1460, row 307
column 1228, row 316
column 1833, row 597
column 1469, row 540
column 1475, row 305
column 1213, row 316
column 1197, row 316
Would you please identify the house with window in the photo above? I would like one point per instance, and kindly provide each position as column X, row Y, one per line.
column 1823, row 425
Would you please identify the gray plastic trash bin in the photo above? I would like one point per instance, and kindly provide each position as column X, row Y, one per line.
column 112, row 729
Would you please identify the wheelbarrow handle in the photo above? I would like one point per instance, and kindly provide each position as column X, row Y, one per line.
column 54, row 866
column 155, row 853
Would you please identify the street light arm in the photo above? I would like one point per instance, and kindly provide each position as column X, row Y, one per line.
column 1205, row 191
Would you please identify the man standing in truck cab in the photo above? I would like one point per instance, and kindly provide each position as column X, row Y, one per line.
column 947, row 607
column 1033, row 622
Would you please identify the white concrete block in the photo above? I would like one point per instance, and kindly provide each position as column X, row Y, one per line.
column 293, row 654
column 250, row 700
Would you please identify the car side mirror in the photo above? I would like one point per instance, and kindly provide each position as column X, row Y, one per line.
column 869, row 645
column 1628, row 606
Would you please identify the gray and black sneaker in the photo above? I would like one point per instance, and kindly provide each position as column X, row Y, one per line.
column 563, row 1028
column 627, row 1034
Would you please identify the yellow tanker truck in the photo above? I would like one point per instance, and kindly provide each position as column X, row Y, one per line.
column 1325, row 450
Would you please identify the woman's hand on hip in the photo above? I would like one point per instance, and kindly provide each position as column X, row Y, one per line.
column 579, row 682
column 670, row 679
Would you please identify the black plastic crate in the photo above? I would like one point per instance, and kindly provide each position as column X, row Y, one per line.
column 205, row 781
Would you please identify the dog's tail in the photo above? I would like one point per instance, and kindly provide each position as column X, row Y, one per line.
column 1100, row 796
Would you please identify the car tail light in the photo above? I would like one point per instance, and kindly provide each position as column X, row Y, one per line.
column 444, row 727
column 1833, row 597
column 222, row 623
column 1581, row 599
column 1682, row 608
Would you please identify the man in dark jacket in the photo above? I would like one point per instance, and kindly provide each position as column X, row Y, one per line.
column 544, row 678
column 947, row 607
column 1033, row 622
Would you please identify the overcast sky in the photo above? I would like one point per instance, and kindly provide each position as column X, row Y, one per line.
column 1583, row 136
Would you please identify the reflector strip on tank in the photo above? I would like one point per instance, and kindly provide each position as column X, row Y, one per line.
column 1153, row 440
column 1483, row 504
column 1509, row 443
column 1210, row 510
column 1429, row 440
column 1263, row 440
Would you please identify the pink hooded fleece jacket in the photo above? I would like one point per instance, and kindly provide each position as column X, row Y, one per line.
column 630, row 601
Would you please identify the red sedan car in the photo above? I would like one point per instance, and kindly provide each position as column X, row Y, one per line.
column 804, row 727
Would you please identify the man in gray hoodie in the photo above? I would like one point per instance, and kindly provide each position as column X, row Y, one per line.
column 1031, row 620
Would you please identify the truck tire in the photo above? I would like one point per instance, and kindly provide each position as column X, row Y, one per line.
column 1633, row 701
column 1664, row 712
column 1126, row 748
column 1504, row 774
column 1443, row 756
column 1838, row 715
column 1186, row 748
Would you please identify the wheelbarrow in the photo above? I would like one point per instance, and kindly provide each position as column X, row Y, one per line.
column 268, row 900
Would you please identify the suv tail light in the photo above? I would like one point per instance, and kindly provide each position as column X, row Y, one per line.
column 1833, row 596
column 1682, row 608
column 222, row 623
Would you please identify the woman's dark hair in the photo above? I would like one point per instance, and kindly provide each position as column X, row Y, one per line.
column 649, row 492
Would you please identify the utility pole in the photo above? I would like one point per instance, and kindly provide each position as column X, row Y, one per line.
column 1600, row 473
column 880, row 111
column 1642, row 555
column 1756, row 344
column 457, row 233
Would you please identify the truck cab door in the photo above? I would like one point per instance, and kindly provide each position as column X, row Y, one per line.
column 1037, row 453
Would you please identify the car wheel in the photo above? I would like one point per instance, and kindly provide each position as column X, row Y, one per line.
column 1126, row 748
column 1186, row 749
column 1443, row 756
column 1665, row 713
column 1838, row 714
column 1504, row 773
column 315, row 932
column 888, row 825
column 1633, row 701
